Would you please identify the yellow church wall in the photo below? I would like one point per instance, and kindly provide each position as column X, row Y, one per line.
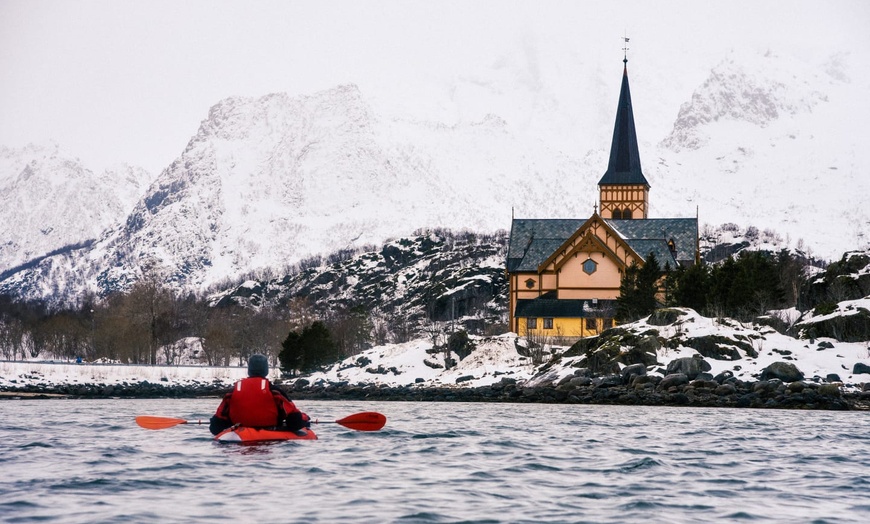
column 584, row 293
column 564, row 329
column 548, row 281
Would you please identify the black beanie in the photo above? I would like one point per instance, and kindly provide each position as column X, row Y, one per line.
column 258, row 366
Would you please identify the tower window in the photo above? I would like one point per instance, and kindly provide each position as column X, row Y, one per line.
column 617, row 214
column 590, row 266
column 626, row 215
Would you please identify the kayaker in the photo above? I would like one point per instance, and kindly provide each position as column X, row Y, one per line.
column 256, row 402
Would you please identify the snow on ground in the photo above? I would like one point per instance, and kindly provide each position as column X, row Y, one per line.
column 844, row 309
column 405, row 364
column 494, row 358
column 41, row 373
column 811, row 358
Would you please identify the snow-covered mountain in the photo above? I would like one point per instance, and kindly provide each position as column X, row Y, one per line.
column 49, row 199
column 773, row 142
column 764, row 141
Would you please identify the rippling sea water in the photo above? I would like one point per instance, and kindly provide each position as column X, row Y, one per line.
column 87, row 461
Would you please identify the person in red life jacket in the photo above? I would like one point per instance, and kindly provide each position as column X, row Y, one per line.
column 256, row 402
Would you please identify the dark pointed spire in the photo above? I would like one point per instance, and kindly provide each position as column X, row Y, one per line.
column 624, row 165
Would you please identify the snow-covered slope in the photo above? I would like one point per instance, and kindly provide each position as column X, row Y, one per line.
column 495, row 358
column 766, row 141
column 773, row 142
column 48, row 199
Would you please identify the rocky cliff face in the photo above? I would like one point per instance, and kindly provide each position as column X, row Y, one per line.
column 409, row 283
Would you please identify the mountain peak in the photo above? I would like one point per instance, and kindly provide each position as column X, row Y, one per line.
column 755, row 89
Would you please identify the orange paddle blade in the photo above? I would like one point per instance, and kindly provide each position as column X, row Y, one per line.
column 149, row 422
column 365, row 421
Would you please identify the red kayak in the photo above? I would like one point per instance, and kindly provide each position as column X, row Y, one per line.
column 245, row 435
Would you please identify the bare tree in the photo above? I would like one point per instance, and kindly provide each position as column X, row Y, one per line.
column 217, row 338
column 151, row 305
column 539, row 344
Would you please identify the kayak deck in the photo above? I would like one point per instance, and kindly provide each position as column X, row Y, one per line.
column 241, row 434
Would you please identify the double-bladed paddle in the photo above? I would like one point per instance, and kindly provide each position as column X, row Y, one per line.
column 364, row 421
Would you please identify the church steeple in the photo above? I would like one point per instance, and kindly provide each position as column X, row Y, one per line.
column 624, row 189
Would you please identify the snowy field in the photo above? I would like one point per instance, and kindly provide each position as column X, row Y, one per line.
column 47, row 373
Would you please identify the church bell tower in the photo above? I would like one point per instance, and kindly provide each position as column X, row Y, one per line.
column 624, row 191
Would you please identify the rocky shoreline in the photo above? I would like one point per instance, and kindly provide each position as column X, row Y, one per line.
column 630, row 390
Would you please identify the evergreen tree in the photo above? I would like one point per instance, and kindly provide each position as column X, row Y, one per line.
column 638, row 289
column 291, row 353
column 690, row 287
column 309, row 350
column 758, row 287
column 746, row 286
column 318, row 347
column 721, row 279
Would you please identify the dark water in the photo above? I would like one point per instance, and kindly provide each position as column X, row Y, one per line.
column 86, row 461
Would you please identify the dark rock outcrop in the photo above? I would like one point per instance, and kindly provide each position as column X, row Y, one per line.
column 689, row 366
column 784, row 371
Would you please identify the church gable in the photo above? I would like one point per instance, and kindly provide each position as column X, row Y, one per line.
column 595, row 235
column 589, row 268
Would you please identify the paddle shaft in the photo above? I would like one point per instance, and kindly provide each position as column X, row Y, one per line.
column 365, row 421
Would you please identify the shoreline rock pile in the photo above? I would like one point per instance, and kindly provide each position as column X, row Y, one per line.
column 628, row 388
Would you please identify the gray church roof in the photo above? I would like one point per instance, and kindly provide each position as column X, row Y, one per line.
column 532, row 241
column 645, row 236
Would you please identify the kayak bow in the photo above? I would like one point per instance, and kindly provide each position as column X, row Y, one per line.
column 246, row 435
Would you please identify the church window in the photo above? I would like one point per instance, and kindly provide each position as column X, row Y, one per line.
column 626, row 215
column 530, row 283
column 531, row 323
column 548, row 323
column 590, row 266
column 617, row 214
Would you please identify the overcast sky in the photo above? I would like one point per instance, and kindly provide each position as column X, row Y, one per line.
column 129, row 81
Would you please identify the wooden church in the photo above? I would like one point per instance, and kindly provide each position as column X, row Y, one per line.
column 564, row 274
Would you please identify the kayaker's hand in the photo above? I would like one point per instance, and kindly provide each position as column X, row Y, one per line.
column 216, row 425
column 297, row 420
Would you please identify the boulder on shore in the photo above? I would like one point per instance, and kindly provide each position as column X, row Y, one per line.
column 784, row 371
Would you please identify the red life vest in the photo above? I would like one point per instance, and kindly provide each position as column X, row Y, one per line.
column 252, row 403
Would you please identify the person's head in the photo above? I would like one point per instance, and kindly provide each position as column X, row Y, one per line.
column 258, row 366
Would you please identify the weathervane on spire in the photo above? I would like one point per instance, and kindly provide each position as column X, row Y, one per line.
column 625, row 49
